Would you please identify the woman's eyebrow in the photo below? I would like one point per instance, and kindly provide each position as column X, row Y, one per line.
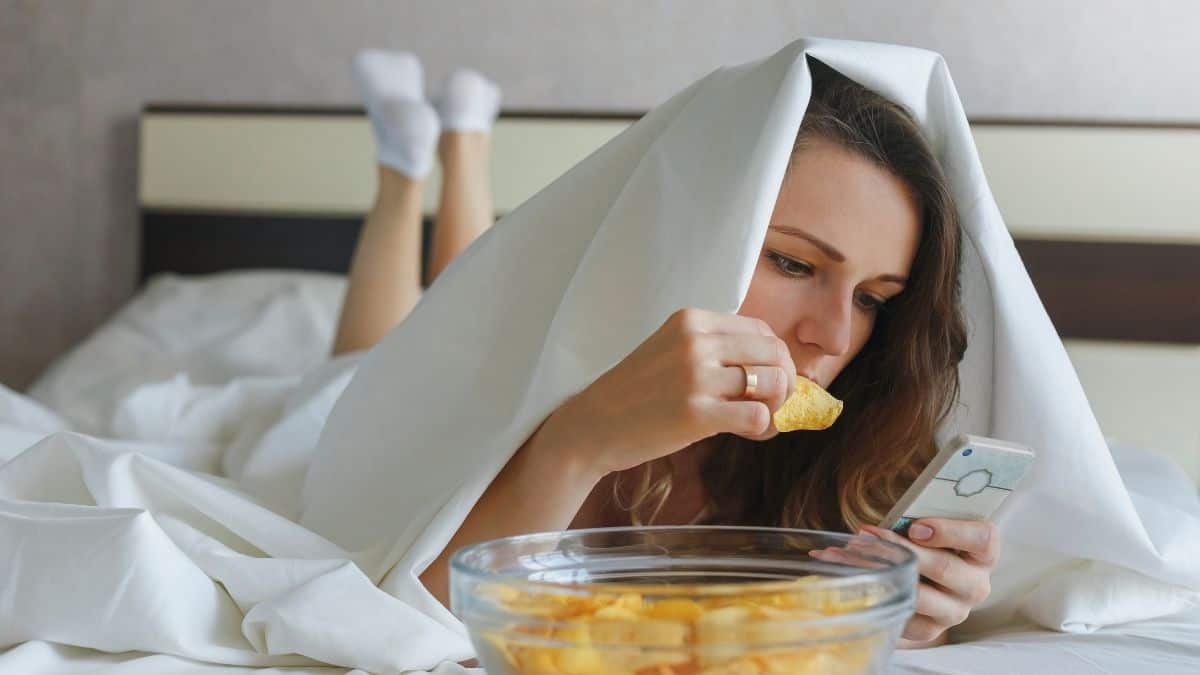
column 824, row 246
column 830, row 251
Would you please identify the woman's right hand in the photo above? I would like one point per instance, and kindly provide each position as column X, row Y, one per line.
column 684, row 383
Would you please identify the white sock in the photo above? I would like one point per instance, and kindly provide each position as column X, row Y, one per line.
column 405, row 125
column 470, row 102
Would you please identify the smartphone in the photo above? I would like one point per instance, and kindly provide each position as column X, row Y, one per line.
column 968, row 479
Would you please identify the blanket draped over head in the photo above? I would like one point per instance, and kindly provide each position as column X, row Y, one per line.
column 105, row 546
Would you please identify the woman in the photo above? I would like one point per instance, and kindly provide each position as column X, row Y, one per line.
column 856, row 288
column 326, row 550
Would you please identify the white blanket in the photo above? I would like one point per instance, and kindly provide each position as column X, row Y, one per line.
column 188, row 534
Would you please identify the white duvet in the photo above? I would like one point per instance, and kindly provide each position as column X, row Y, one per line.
column 165, row 506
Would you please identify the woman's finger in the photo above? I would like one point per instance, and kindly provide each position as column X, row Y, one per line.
column 978, row 539
column 772, row 385
column 922, row 629
column 748, row 418
column 743, row 350
column 848, row 556
column 940, row 566
column 705, row 321
column 863, row 550
column 870, row 545
column 944, row 609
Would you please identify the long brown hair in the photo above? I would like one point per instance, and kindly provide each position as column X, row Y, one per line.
column 897, row 390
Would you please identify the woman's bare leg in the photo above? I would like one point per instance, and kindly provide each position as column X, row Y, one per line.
column 385, row 273
column 465, row 208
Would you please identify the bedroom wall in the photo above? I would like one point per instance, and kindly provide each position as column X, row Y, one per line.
column 74, row 74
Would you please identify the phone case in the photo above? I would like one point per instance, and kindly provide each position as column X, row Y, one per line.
column 968, row 480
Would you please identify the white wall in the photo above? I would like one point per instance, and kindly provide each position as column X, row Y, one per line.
column 74, row 73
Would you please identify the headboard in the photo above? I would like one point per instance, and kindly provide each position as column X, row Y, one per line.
column 1106, row 218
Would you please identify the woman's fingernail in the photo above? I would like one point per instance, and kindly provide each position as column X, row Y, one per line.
column 920, row 531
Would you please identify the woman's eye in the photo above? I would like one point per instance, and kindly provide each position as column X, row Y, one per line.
column 869, row 302
column 797, row 269
column 792, row 268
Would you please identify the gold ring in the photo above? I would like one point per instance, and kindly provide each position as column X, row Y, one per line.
column 751, row 383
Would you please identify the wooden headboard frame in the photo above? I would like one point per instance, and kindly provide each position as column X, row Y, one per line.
column 1120, row 287
column 1106, row 218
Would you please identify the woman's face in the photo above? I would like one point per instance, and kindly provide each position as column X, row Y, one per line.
column 840, row 244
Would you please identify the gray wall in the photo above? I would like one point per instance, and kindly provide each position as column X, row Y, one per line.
column 74, row 74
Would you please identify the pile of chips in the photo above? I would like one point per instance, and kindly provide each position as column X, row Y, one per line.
column 719, row 631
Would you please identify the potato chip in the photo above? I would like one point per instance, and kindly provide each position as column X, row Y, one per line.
column 810, row 408
column 729, row 633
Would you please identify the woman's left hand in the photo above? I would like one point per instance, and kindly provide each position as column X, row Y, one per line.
column 955, row 559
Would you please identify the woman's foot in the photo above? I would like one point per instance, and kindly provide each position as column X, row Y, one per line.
column 469, row 102
column 406, row 126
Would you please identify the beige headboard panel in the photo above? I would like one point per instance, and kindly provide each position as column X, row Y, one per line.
column 1053, row 183
column 323, row 163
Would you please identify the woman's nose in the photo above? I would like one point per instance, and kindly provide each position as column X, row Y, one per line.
column 828, row 326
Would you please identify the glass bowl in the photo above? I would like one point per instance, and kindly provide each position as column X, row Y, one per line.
column 683, row 601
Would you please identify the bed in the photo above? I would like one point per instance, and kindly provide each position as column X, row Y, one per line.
column 1105, row 218
column 243, row 245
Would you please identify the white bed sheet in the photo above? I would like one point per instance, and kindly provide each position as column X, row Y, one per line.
column 190, row 363
column 1168, row 646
